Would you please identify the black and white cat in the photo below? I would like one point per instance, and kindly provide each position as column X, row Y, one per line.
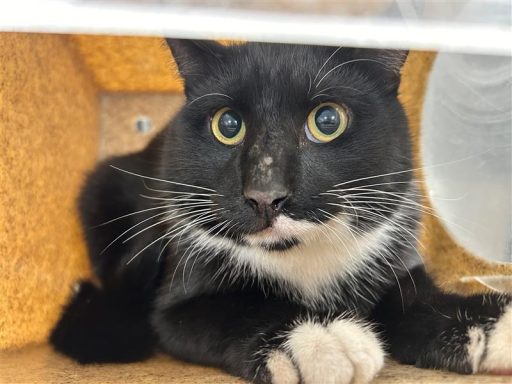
column 270, row 230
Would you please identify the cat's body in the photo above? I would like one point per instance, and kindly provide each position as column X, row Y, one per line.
column 269, row 248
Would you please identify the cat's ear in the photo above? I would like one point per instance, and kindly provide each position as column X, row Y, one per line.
column 384, row 64
column 195, row 58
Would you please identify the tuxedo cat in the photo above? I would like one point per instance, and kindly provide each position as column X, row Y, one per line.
column 270, row 230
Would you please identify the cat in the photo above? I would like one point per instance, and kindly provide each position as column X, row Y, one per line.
column 270, row 230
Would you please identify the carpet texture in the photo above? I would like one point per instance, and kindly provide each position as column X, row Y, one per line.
column 48, row 136
column 41, row 366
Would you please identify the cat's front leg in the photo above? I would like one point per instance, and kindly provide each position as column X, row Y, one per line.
column 268, row 341
column 473, row 336
column 433, row 329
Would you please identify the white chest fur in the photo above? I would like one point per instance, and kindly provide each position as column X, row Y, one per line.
column 326, row 253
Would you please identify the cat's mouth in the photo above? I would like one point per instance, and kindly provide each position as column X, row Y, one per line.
column 284, row 234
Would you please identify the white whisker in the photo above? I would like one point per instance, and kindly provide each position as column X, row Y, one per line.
column 131, row 214
column 129, row 229
column 175, row 199
column 153, row 242
column 209, row 94
column 167, row 191
column 413, row 169
column 185, row 227
column 343, row 64
column 197, row 222
column 162, row 180
column 188, row 213
column 324, row 64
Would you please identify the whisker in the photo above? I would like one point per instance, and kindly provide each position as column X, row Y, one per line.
column 393, row 222
column 354, row 288
column 390, row 252
column 129, row 229
column 373, row 191
column 369, row 191
column 400, row 201
column 389, row 197
column 162, row 180
column 195, row 244
column 343, row 64
column 341, row 87
column 175, row 199
column 224, row 224
column 398, row 196
column 336, row 234
column 346, row 225
column 131, row 214
column 188, row 213
column 150, row 244
column 166, row 191
column 413, row 169
column 192, row 224
column 209, row 94
column 324, row 64
column 321, row 94
column 185, row 227
column 394, row 254
column 173, row 210
column 397, row 281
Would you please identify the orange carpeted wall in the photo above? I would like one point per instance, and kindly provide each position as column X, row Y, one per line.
column 48, row 136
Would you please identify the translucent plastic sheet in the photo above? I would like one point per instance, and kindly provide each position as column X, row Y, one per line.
column 471, row 26
column 466, row 149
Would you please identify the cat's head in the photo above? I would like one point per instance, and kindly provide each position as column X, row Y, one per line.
column 284, row 137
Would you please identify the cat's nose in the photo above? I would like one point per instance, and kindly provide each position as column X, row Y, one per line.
column 266, row 201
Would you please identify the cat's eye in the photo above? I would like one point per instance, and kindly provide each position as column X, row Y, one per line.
column 326, row 122
column 228, row 126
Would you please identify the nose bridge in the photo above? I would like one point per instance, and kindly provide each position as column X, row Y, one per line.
column 267, row 167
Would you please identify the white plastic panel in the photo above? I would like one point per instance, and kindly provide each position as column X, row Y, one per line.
column 419, row 24
column 467, row 150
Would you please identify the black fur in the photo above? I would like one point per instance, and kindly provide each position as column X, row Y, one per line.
column 193, row 299
column 95, row 328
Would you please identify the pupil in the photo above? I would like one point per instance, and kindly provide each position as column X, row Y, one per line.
column 327, row 120
column 230, row 124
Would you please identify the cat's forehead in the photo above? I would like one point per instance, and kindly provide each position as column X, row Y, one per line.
column 268, row 71
column 274, row 59
column 277, row 78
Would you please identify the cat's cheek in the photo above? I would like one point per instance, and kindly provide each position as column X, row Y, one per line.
column 498, row 356
column 340, row 352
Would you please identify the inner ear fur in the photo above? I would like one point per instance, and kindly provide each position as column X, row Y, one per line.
column 383, row 64
column 195, row 58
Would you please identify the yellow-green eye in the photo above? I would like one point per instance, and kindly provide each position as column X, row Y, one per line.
column 326, row 122
column 228, row 126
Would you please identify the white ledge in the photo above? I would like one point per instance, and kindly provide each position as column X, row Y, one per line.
column 150, row 19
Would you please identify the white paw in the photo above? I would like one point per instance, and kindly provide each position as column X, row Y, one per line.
column 498, row 357
column 281, row 368
column 341, row 352
column 475, row 347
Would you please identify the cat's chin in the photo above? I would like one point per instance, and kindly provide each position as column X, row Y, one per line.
column 285, row 233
